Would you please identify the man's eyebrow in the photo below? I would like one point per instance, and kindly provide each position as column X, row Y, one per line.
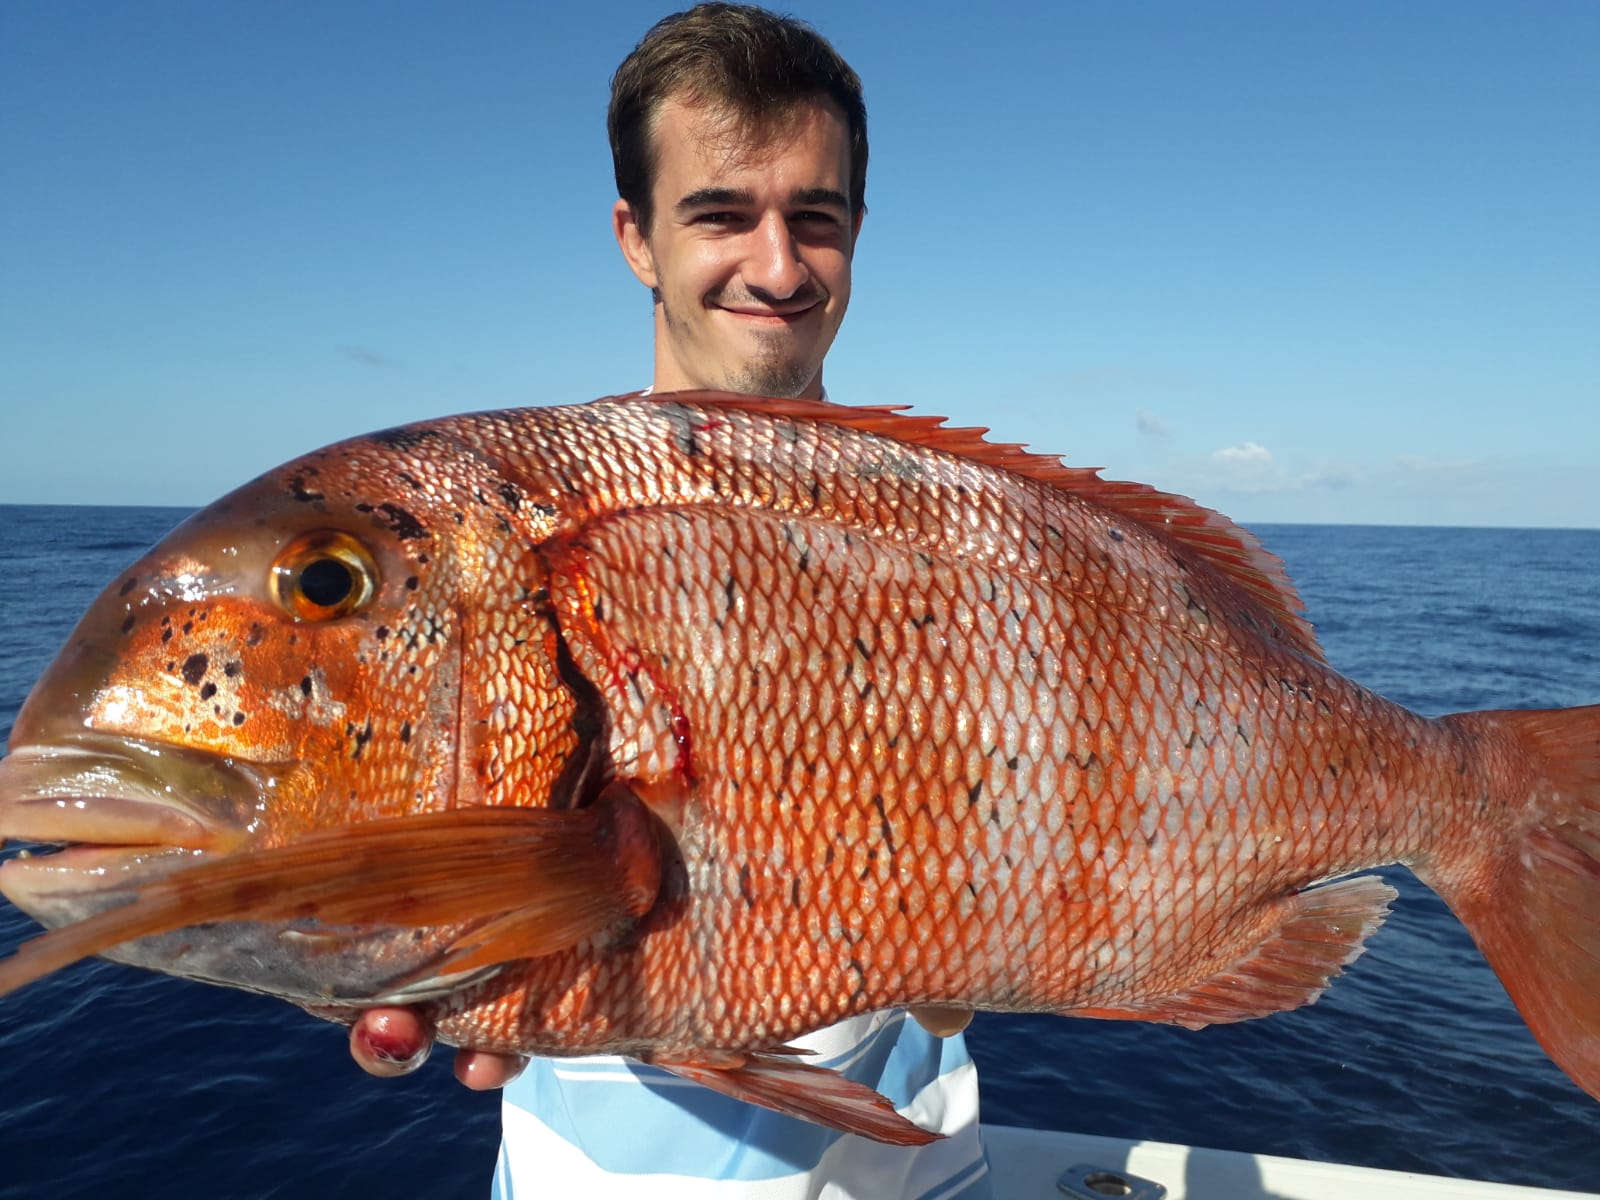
column 819, row 197
column 711, row 196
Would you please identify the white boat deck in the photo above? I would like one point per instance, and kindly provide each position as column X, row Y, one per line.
column 1029, row 1164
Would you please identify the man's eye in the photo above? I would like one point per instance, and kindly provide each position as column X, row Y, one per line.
column 717, row 218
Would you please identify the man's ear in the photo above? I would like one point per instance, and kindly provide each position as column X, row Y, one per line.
column 633, row 243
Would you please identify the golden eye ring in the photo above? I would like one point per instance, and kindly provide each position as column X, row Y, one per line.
column 322, row 576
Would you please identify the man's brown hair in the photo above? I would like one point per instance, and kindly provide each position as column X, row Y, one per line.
column 756, row 63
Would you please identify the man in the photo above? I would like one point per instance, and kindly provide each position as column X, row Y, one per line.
column 740, row 149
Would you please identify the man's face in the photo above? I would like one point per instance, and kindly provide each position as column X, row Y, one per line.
column 748, row 249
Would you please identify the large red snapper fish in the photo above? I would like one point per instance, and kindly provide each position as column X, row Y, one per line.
column 679, row 726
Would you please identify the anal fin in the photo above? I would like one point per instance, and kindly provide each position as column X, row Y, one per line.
column 1322, row 931
column 800, row 1090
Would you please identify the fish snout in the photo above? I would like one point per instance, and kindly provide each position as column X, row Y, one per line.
column 122, row 811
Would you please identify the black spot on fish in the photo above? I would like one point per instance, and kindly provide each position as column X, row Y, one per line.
column 302, row 493
column 512, row 495
column 405, row 733
column 208, row 691
column 133, row 582
column 363, row 736
column 231, row 669
column 194, row 669
column 744, row 886
column 411, row 583
column 381, row 632
column 305, row 685
column 238, row 718
column 405, row 526
column 127, row 625
column 884, row 825
column 410, row 480
column 402, row 437
column 794, row 893
column 256, row 636
column 974, row 792
column 1116, row 534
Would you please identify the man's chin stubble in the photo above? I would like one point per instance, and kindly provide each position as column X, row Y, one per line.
column 782, row 380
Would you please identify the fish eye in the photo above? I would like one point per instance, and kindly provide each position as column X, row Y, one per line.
column 322, row 576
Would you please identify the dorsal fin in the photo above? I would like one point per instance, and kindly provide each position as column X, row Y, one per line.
column 1234, row 551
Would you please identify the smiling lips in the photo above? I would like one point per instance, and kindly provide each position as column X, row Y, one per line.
column 784, row 313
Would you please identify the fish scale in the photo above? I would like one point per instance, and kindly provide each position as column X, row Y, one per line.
column 680, row 726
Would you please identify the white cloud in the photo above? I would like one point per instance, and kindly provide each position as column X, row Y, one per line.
column 1150, row 425
column 1249, row 468
column 367, row 357
column 1245, row 452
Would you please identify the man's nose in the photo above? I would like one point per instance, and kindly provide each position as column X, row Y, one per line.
column 774, row 267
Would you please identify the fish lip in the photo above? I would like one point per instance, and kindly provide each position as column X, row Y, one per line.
column 81, row 880
column 123, row 791
column 128, row 811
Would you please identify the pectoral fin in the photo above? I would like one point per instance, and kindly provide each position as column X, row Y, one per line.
column 800, row 1090
column 524, row 882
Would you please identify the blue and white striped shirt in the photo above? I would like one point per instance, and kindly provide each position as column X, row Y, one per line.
column 604, row 1127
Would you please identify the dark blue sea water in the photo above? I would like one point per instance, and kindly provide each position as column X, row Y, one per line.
column 113, row 1081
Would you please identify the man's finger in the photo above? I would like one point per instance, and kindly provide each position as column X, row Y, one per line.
column 387, row 1042
column 941, row 1021
column 482, row 1071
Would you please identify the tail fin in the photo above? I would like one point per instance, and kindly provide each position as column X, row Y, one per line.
column 1533, row 906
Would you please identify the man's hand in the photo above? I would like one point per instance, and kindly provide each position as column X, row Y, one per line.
column 396, row 1041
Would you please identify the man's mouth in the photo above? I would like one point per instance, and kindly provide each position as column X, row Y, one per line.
column 774, row 314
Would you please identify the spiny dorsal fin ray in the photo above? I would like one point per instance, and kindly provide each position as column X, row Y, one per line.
column 1233, row 551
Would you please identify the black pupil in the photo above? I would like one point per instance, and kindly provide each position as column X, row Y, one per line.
column 327, row 582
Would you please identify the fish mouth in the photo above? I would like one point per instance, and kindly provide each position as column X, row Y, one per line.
column 103, row 814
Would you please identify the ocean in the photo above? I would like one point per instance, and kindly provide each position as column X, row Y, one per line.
column 115, row 1081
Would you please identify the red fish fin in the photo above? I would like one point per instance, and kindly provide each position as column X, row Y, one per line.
column 1321, row 932
column 1533, row 906
column 1231, row 549
column 557, row 877
column 811, row 1093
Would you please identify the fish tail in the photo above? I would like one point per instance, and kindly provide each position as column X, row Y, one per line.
column 1532, row 901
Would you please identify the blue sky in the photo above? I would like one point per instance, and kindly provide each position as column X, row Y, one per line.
column 1306, row 262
